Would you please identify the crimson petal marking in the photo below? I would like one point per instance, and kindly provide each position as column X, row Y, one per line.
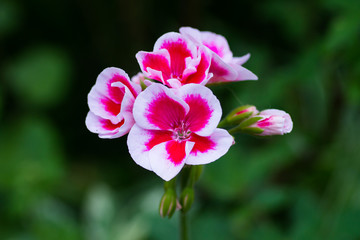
column 211, row 148
column 202, row 74
column 157, row 137
column 165, row 113
column 200, row 112
column 158, row 108
column 110, row 106
column 178, row 53
column 202, row 144
column 108, row 125
column 205, row 110
column 168, row 158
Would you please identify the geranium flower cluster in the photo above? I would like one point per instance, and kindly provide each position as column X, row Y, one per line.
column 170, row 115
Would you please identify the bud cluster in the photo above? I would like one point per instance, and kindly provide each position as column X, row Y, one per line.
column 169, row 201
column 247, row 119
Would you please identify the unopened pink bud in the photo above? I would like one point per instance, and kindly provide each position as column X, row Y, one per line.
column 138, row 78
column 273, row 122
column 247, row 109
column 239, row 114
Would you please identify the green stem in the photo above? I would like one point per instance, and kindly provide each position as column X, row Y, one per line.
column 183, row 227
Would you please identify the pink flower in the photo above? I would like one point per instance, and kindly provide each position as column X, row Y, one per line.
column 273, row 122
column 138, row 78
column 224, row 66
column 176, row 61
column 175, row 127
column 110, row 101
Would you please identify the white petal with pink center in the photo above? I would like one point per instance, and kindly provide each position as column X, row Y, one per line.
column 205, row 109
column 176, row 127
column 224, row 66
column 110, row 101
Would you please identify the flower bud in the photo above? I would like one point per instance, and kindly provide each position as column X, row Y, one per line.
column 269, row 122
column 187, row 199
column 168, row 204
column 140, row 79
column 239, row 114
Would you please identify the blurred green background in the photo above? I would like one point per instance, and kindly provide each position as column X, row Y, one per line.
column 59, row 181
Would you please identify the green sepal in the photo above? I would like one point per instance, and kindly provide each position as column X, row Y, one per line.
column 239, row 118
column 167, row 205
column 252, row 130
column 142, row 85
column 249, row 122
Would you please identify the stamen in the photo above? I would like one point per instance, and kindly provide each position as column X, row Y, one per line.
column 181, row 133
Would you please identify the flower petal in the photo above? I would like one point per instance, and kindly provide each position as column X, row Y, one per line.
column 218, row 44
column 205, row 110
column 155, row 65
column 191, row 33
column 215, row 42
column 105, row 128
column 140, row 141
column 182, row 53
column 243, row 73
column 221, row 69
column 241, row 60
column 158, row 108
column 209, row 149
column 168, row 158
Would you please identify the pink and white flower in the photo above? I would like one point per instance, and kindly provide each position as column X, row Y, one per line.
column 111, row 101
column 176, row 61
column 273, row 122
column 224, row 66
column 175, row 127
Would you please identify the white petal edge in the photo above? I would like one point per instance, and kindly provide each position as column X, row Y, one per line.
column 136, row 141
